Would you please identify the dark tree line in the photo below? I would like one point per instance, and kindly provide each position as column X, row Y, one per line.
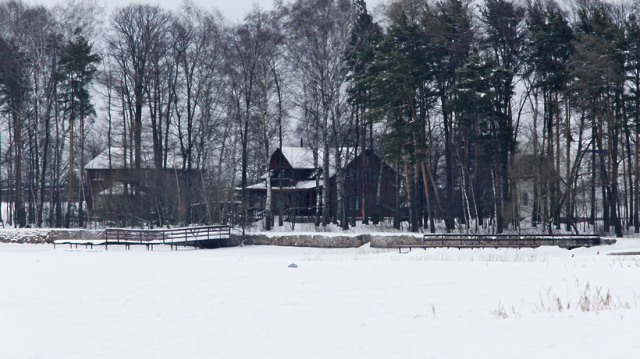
column 506, row 100
column 498, row 117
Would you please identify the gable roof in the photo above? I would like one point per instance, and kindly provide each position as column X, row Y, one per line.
column 101, row 162
column 299, row 157
column 302, row 158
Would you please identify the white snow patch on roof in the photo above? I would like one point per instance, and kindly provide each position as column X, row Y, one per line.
column 302, row 158
column 299, row 157
column 118, row 160
column 299, row 185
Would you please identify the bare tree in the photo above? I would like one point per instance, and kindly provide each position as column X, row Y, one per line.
column 137, row 37
column 137, row 34
column 320, row 32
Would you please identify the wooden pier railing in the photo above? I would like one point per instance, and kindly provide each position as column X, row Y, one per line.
column 188, row 236
column 431, row 240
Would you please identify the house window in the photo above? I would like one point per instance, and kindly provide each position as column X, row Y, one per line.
column 525, row 199
column 354, row 202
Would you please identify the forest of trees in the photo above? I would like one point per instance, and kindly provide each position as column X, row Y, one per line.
column 474, row 105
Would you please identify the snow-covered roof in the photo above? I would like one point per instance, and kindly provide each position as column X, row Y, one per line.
column 118, row 160
column 302, row 158
column 299, row 157
column 300, row 185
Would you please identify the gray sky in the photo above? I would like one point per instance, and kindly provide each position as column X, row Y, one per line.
column 233, row 10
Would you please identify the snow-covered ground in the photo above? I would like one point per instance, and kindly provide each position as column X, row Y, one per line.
column 246, row 302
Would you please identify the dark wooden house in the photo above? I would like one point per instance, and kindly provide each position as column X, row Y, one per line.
column 293, row 185
column 364, row 176
column 123, row 195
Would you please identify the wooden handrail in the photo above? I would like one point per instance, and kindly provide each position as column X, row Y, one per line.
column 502, row 240
column 172, row 235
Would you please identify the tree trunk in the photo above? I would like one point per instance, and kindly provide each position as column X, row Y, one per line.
column 410, row 199
column 71, row 159
column 396, row 216
column 326, row 201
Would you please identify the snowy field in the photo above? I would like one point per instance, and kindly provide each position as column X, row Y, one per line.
column 246, row 302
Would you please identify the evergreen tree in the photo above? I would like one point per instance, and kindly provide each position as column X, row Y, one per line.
column 77, row 69
column 503, row 39
column 448, row 25
column 549, row 46
column 601, row 47
column 396, row 77
column 479, row 106
column 360, row 53
column 632, row 72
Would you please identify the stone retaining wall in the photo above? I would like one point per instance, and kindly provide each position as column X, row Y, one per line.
column 393, row 241
column 87, row 234
column 326, row 241
column 48, row 235
column 24, row 236
column 302, row 240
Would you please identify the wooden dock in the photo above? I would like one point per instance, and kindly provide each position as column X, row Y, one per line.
column 431, row 240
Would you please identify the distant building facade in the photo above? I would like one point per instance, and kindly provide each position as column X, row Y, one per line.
column 123, row 195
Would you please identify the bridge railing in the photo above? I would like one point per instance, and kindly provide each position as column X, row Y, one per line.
column 509, row 240
column 166, row 236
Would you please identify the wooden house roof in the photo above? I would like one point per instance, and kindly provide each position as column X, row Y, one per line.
column 117, row 160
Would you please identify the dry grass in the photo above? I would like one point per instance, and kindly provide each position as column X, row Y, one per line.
column 391, row 254
column 589, row 299
column 493, row 255
column 500, row 313
column 625, row 262
column 342, row 254
column 503, row 313
column 550, row 302
column 430, row 314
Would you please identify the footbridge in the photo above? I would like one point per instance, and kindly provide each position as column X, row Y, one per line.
column 198, row 237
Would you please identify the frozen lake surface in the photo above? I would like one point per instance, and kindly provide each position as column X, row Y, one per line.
column 246, row 302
